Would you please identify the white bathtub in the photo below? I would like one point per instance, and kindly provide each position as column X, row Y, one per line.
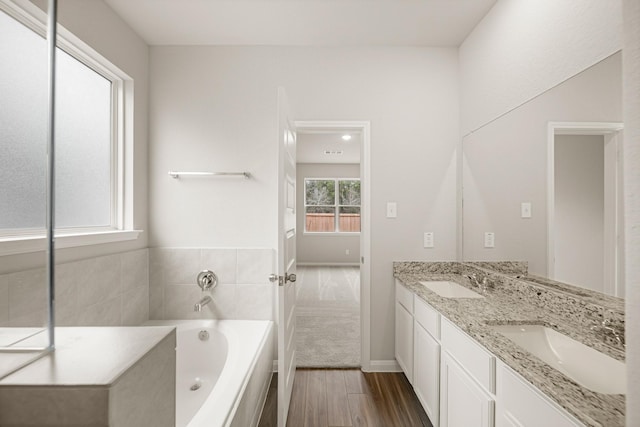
column 230, row 371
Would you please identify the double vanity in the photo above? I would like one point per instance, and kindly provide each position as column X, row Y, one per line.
column 484, row 344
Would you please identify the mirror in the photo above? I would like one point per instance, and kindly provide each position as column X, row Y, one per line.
column 25, row 303
column 541, row 183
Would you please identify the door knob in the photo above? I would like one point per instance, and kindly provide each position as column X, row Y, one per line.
column 289, row 277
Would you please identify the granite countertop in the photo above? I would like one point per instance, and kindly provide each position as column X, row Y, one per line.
column 516, row 301
column 89, row 356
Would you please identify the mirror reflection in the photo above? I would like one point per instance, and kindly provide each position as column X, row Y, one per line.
column 541, row 183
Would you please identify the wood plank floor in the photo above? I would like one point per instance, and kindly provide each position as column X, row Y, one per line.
column 348, row 398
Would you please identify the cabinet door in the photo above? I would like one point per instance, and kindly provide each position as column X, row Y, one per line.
column 520, row 404
column 426, row 372
column 463, row 402
column 404, row 340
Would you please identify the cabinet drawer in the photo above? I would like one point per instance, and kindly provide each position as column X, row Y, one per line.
column 404, row 296
column 471, row 355
column 426, row 316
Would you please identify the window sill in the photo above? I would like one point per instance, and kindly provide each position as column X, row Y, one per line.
column 28, row 244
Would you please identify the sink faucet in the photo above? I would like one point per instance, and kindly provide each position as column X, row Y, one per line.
column 483, row 283
column 204, row 301
column 606, row 330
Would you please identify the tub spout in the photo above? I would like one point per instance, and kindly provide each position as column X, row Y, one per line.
column 204, row 301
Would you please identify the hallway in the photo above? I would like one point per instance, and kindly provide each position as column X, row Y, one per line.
column 328, row 317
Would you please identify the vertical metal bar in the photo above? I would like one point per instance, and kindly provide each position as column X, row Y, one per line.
column 50, row 217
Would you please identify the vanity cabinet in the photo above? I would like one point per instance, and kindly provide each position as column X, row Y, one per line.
column 404, row 330
column 464, row 402
column 426, row 358
column 458, row 381
column 466, row 380
column 519, row 404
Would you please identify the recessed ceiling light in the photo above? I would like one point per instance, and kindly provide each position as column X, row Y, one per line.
column 346, row 137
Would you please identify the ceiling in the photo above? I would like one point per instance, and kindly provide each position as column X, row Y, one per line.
column 311, row 147
column 303, row 22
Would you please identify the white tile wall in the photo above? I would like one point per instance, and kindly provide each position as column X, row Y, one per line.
column 111, row 290
column 243, row 291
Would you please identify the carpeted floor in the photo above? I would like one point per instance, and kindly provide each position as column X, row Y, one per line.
column 328, row 317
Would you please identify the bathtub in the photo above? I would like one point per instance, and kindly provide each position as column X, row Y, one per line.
column 223, row 369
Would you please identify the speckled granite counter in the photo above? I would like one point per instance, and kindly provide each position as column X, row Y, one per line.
column 514, row 300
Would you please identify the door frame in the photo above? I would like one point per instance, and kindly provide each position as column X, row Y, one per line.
column 607, row 129
column 364, row 127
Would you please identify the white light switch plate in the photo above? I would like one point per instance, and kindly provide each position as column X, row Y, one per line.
column 392, row 210
column 525, row 210
column 428, row 239
column 489, row 239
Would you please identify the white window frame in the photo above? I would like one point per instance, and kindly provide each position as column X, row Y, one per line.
column 18, row 241
column 336, row 206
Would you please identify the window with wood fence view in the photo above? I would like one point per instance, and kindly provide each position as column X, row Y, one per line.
column 332, row 205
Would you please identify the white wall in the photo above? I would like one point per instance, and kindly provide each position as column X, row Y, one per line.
column 98, row 26
column 330, row 248
column 506, row 164
column 523, row 48
column 579, row 210
column 214, row 108
column 632, row 203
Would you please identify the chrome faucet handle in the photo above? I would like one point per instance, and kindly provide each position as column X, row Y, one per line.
column 207, row 280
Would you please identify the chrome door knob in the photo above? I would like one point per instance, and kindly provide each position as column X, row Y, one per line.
column 289, row 277
column 273, row 278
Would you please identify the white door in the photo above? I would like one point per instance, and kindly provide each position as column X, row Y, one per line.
column 286, row 268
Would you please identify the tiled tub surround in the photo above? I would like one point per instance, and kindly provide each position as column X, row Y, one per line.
column 517, row 301
column 110, row 290
column 77, row 385
column 243, row 292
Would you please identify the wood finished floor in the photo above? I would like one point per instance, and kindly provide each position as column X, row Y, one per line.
column 347, row 398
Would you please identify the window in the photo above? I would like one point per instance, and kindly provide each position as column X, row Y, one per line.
column 332, row 205
column 88, row 133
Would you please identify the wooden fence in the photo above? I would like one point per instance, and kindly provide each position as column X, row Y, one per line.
column 325, row 222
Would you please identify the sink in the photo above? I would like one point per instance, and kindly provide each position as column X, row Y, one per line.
column 450, row 289
column 586, row 366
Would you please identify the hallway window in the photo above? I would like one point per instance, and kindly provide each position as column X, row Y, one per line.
column 332, row 205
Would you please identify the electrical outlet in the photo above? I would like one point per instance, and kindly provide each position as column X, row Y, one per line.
column 347, row 252
column 428, row 239
column 489, row 239
column 525, row 210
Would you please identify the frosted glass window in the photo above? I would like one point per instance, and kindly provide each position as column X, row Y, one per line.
column 84, row 151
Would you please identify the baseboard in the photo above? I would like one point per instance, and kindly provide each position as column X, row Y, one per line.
column 384, row 366
column 328, row 264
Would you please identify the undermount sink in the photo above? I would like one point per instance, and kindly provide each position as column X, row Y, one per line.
column 448, row 289
column 586, row 366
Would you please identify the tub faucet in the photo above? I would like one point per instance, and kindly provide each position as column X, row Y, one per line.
column 204, row 301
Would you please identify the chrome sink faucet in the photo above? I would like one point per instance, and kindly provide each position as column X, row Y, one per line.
column 483, row 283
column 605, row 329
column 204, row 301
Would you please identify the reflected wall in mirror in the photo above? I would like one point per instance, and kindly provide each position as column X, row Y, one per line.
column 508, row 163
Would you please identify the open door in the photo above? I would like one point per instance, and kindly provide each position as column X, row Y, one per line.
column 286, row 268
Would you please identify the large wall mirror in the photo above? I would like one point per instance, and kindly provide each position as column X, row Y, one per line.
column 542, row 183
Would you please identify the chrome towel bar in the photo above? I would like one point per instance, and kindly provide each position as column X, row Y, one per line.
column 176, row 175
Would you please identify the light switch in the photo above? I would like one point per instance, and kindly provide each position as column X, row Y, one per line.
column 392, row 210
column 525, row 210
column 489, row 239
column 428, row 239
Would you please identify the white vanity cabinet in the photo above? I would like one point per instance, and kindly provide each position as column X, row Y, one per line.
column 519, row 404
column 426, row 358
column 467, row 380
column 404, row 330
